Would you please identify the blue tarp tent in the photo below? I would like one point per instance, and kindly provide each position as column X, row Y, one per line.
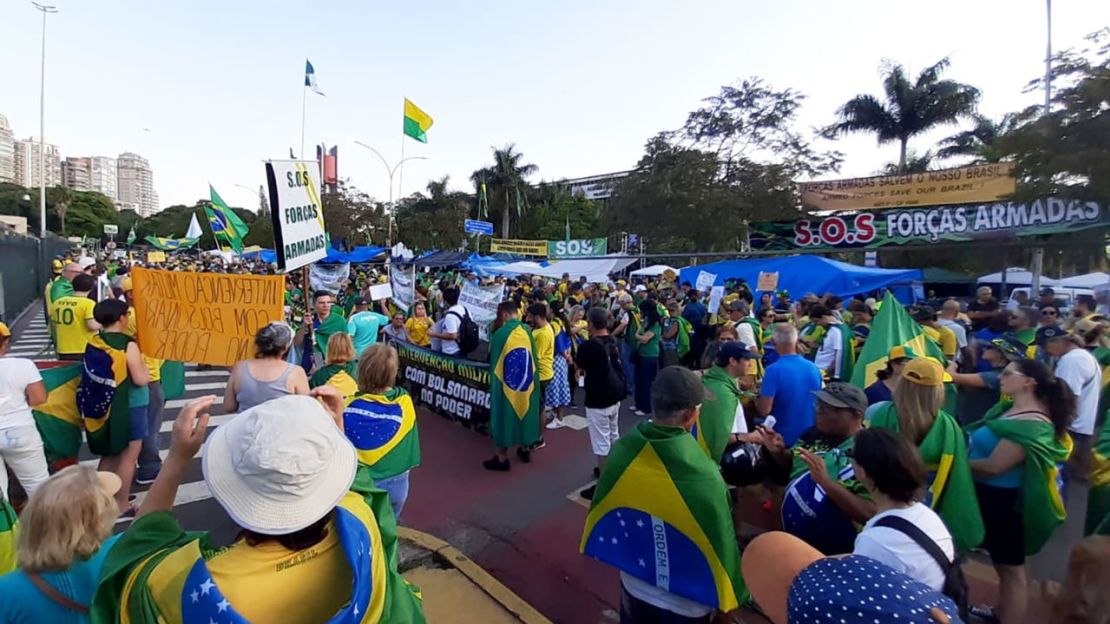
column 266, row 255
column 802, row 274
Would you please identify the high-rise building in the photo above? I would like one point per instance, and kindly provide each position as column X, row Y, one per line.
column 135, row 185
column 77, row 173
column 27, row 171
column 103, row 177
column 7, row 151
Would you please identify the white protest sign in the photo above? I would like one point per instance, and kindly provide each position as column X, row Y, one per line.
column 381, row 292
column 402, row 281
column 481, row 303
column 297, row 212
column 715, row 295
column 705, row 281
column 328, row 277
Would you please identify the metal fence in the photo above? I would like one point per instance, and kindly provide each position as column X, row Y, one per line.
column 24, row 269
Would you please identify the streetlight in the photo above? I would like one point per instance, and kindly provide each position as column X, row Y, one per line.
column 390, row 170
column 45, row 8
column 261, row 196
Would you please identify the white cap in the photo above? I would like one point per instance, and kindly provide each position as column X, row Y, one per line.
column 85, row 262
column 280, row 466
column 639, row 288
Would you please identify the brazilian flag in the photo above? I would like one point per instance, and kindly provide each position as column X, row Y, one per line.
column 1098, row 501
column 891, row 327
column 514, row 399
column 340, row 376
column 1042, row 505
column 9, row 532
column 171, row 244
column 382, row 427
column 102, row 397
column 173, row 379
column 157, row 572
column 951, row 490
column 57, row 419
column 661, row 513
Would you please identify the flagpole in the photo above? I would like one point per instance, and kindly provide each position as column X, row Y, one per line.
column 304, row 110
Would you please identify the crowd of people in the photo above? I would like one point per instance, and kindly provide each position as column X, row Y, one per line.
column 969, row 438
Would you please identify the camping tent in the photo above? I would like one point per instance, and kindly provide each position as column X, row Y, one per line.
column 654, row 270
column 1015, row 276
column 1087, row 280
column 802, row 274
column 595, row 270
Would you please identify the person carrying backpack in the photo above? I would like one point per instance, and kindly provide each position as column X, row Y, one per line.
column 599, row 359
column 455, row 334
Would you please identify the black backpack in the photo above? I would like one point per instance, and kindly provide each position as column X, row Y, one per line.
column 955, row 585
column 615, row 380
column 468, row 333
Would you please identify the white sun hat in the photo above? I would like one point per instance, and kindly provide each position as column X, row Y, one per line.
column 280, row 466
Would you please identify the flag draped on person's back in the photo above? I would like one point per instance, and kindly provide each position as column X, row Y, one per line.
column 225, row 223
column 950, row 488
column 514, row 399
column 661, row 513
column 339, row 376
column 382, row 428
column 58, row 420
column 891, row 327
column 1098, row 498
column 103, row 397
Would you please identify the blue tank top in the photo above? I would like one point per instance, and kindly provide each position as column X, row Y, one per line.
column 983, row 443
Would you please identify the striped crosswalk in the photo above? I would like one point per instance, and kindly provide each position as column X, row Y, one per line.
column 33, row 342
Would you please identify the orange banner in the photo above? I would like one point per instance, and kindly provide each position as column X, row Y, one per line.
column 207, row 318
column 965, row 185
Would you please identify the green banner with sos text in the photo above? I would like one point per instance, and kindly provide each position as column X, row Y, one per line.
column 577, row 248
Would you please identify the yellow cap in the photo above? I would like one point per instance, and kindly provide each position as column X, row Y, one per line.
column 57, row 266
column 4, row 331
column 924, row 372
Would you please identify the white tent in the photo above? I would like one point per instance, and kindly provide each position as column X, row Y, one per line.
column 654, row 270
column 595, row 270
column 1087, row 280
column 1015, row 276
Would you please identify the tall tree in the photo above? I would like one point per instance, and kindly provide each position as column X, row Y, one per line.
column 979, row 144
column 506, row 183
column 908, row 108
column 353, row 217
column 915, row 163
column 435, row 220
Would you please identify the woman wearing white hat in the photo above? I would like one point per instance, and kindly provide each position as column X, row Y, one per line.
column 316, row 544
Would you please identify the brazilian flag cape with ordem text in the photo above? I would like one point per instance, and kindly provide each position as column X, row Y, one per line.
column 661, row 513
column 57, row 419
column 514, row 399
column 151, row 570
column 1042, row 505
column 340, row 376
column 951, row 490
column 382, row 428
column 102, row 397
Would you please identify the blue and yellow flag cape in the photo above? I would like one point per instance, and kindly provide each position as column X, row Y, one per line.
column 339, row 376
column 661, row 513
column 102, row 397
column 951, row 489
column 57, row 419
column 152, row 572
column 9, row 533
column 382, row 428
column 515, row 401
column 1042, row 505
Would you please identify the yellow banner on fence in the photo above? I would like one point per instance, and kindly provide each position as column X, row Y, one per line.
column 965, row 185
column 155, row 256
column 518, row 247
column 207, row 318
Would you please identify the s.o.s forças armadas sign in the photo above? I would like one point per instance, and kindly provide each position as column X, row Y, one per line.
column 882, row 228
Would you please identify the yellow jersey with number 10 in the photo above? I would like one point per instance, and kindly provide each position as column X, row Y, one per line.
column 71, row 315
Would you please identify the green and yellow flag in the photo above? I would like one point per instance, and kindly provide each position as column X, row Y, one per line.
column 382, row 428
column 1042, row 505
column 1098, row 501
column 661, row 513
column 417, row 122
column 514, row 399
column 224, row 222
column 171, row 244
column 714, row 425
column 951, row 490
column 339, row 376
column 892, row 327
column 57, row 419
column 9, row 533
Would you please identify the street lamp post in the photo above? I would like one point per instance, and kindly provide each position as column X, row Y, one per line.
column 42, row 120
column 261, row 196
column 390, row 171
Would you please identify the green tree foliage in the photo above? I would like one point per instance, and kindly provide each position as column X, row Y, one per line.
column 507, row 186
column 734, row 160
column 353, row 217
column 908, row 108
column 979, row 145
column 552, row 207
column 915, row 163
column 433, row 220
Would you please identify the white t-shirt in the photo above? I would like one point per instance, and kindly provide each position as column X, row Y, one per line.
column 662, row 598
column 961, row 334
column 739, row 423
column 895, row 549
column 15, row 375
column 745, row 334
column 1080, row 370
column 451, row 325
column 829, row 353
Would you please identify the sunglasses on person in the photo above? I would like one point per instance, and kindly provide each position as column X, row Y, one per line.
column 1012, row 373
column 1049, row 312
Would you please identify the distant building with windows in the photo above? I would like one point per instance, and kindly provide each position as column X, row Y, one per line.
column 135, row 185
column 103, row 175
column 77, row 173
column 27, row 170
column 596, row 187
column 7, row 151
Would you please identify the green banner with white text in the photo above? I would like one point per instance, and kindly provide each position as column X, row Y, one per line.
column 577, row 248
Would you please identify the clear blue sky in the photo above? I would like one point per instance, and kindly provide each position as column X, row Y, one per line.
column 578, row 85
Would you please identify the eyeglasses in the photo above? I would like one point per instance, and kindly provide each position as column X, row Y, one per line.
column 1012, row 373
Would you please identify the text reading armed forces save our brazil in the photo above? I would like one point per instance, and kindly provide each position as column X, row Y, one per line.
column 208, row 318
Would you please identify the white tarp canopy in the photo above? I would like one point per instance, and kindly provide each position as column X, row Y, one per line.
column 595, row 270
column 1087, row 280
column 654, row 270
column 1015, row 276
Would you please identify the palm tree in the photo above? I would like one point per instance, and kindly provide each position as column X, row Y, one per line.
column 978, row 143
column 505, row 179
column 908, row 108
column 915, row 163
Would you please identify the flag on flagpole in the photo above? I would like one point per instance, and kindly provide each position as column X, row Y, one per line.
column 194, row 228
column 483, row 201
column 131, row 235
column 310, row 78
column 517, row 189
column 224, row 221
column 892, row 327
column 417, row 122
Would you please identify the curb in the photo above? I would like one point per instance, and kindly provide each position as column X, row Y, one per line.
column 512, row 603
